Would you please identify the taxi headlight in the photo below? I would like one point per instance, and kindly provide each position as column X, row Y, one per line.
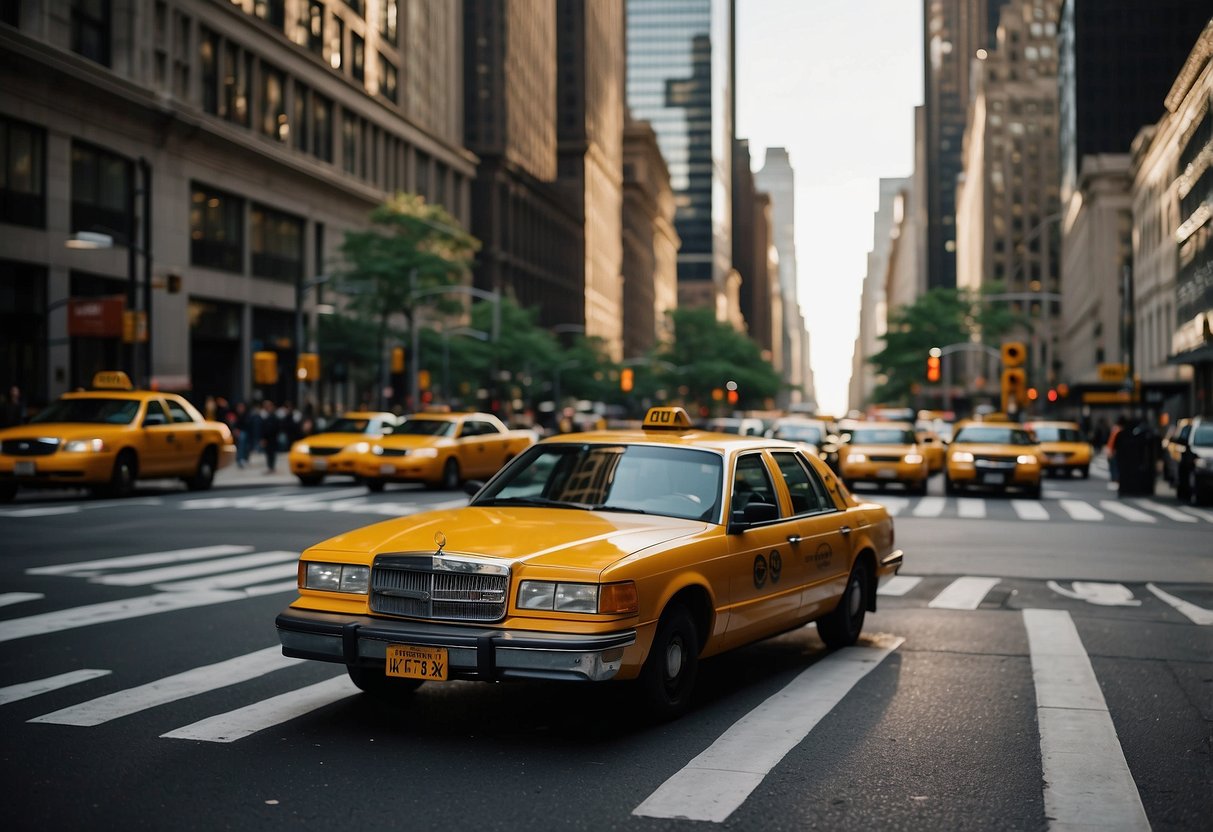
column 857, row 458
column 914, row 459
column 608, row 599
column 80, row 446
column 1026, row 459
column 336, row 577
column 303, row 448
column 962, row 456
column 359, row 447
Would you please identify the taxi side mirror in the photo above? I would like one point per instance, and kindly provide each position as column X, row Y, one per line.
column 472, row 487
column 752, row 515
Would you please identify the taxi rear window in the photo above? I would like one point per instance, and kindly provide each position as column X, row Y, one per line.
column 96, row 411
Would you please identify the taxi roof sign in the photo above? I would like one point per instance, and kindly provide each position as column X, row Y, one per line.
column 666, row 418
column 112, row 380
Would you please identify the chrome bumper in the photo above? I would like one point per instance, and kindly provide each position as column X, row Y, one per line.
column 472, row 652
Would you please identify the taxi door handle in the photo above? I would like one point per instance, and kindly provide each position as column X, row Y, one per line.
column 793, row 539
column 844, row 530
column 170, row 438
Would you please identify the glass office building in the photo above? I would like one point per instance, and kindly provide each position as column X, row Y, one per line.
column 680, row 79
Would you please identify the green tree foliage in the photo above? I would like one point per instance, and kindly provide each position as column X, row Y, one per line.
column 706, row 354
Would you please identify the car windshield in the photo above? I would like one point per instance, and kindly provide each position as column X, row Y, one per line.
column 882, row 436
column 994, row 436
column 426, row 427
column 91, row 411
column 1054, row 434
column 345, row 425
column 1203, row 436
column 674, row 482
column 799, row 433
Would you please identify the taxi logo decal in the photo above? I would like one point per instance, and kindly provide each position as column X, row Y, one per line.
column 776, row 566
column 760, row 571
column 821, row 558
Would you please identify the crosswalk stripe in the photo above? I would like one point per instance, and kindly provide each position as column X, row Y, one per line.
column 963, row 594
column 1127, row 512
column 970, row 508
column 894, row 505
column 899, row 585
column 42, row 511
column 267, row 713
column 190, row 570
column 1078, row 510
column 1198, row 615
column 232, row 580
column 91, row 567
column 930, row 507
column 7, row 598
column 1207, row 516
column 720, row 779
column 262, row 501
column 1166, row 511
column 170, row 689
column 1088, row 784
column 25, row 690
column 1029, row 510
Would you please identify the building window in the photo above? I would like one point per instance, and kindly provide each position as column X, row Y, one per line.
column 388, row 79
column 423, row 176
column 336, row 42
column 322, row 128
column 357, row 57
column 388, row 14
column 91, row 29
column 273, row 104
column 101, row 192
column 208, row 55
column 238, row 70
column 277, row 244
column 351, row 137
column 181, row 57
column 272, row 12
column 309, row 32
column 216, row 229
column 10, row 12
column 302, row 119
column 22, row 174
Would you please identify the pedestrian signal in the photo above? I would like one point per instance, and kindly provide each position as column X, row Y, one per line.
column 1014, row 353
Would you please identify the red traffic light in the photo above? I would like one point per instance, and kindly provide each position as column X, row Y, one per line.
column 1052, row 395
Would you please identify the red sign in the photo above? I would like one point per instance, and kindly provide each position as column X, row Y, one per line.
column 95, row 317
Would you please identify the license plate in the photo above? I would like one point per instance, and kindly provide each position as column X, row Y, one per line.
column 320, row 464
column 25, row 468
column 886, row 473
column 1057, row 458
column 993, row 479
column 409, row 661
column 387, row 469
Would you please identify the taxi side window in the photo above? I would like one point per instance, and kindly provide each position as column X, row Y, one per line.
column 178, row 412
column 808, row 493
column 155, row 414
column 752, row 483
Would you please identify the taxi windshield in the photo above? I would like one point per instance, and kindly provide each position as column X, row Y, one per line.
column 1054, row 434
column 799, row 433
column 642, row 479
column 994, row 436
column 882, row 436
column 1203, row 436
column 94, row 411
column 344, row 425
column 426, row 427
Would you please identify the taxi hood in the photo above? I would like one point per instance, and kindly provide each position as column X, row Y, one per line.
column 571, row 538
column 63, row 430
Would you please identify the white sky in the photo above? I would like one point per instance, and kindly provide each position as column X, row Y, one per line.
column 836, row 83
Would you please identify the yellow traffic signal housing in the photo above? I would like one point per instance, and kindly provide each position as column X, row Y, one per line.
column 1014, row 353
column 626, row 379
column 1014, row 388
column 308, row 367
column 397, row 359
column 933, row 368
column 265, row 367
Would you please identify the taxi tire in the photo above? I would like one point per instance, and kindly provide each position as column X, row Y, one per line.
column 841, row 626
column 450, row 475
column 949, row 487
column 667, row 678
column 204, row 475
column 8, row 492
column 310, row 479
column 375, row 682
column 122, row 479
column 374, row 486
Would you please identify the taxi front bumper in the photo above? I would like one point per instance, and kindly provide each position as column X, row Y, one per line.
column 409, row 467
column 341, row 464
column 481, row 653
column 876, row 471
column 58, row 468
column 993, row 473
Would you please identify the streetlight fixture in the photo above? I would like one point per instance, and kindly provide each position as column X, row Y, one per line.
column 414, row 357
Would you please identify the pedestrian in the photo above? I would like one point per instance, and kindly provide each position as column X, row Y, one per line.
column 12, row 413
column 267, row 424
column 1110, row 448
column 242, row 429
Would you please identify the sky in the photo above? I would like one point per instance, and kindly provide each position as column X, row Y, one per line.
column 836, row 83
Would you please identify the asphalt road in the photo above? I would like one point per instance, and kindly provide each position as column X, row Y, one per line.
column 1030, row 655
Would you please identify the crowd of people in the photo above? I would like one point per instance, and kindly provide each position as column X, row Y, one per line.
column 264, row 428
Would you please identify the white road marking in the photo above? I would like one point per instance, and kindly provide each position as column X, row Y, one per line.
column 190, row 570
column 963, row 594
column 1080, row 510
column 1030, row 509
column 232, row 580
column 7, row 598
column 719, row 780
column 1198, row 615
column 262, row 501
column 1127, row 512
column 1207, row 516
column 899, row 585
column 267, row 713
column 42, row 511
column 170, row 689
column 894, row 505
column 1088, row 784
column 1103, row 595
column 15, row 693
column 92, row 567
column 930, row 507
column 970, row 508
column 1166, row 511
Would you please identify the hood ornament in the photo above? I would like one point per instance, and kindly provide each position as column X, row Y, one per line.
column 439, row 541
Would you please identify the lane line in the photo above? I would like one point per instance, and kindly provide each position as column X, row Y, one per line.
column 1080, row 510
column 971, row 508
column 190, row 570
column 963, row 594
column 25, row 690
column 7, row 598
column 232, row 580
column 1088, row 784
column 1198, row 615
column 47, row 511
column 930, row 506
column 91, row 567
column 267, row 713
column 1166, row 511
column 1127, row 512
column 899, row 585
column 720, row 779
column 170, row 689
column 1030, row 509
column 1207, row 516
column 262, row 501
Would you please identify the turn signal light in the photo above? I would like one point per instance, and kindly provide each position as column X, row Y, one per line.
column 618, row 599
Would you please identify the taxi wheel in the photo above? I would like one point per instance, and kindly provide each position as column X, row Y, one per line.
column 374, row 486
column 8, row 491
column 1035, row 491
column 1084, row 472
column 204, row 476
column 841, row 628
column 310, row 479
column 669, row 672
column 122, row 480
column 450, row 475
column 950, row 487
column 374, row 681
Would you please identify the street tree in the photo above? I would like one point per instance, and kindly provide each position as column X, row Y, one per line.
column 706, row 354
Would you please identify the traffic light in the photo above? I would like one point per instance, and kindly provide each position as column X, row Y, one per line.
column 397, row 359
column 265, row 367
column 1014, row 353
column 307, row 368
column 626, row 379
column 933, row 368
column 1014, row 382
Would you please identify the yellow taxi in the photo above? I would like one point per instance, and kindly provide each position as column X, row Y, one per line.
column 933, row 448
column 1063, row 447
column 336, row 450
column 111, row 435
column 883, row 452
column 441, row 450
column 997, row 455
column 626, row 555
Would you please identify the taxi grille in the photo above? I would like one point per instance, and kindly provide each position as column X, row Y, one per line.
column 324, row 451
column 885, row 458
column 439, row 587
column 989, row 461
column 29, row 447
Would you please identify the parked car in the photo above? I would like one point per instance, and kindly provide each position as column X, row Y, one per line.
column 1173, row 449
column 1194, row 474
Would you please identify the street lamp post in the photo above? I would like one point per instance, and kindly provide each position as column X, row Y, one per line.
column 446, row 353
column 414, row 358
column 301, row 287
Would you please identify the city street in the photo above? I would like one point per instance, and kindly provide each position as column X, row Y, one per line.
column 1037, row 662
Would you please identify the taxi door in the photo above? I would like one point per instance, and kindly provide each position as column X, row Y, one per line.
column 187, row 442
column 475, row 457
column 764, row 575
column 156, row 453
column 824, row 534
